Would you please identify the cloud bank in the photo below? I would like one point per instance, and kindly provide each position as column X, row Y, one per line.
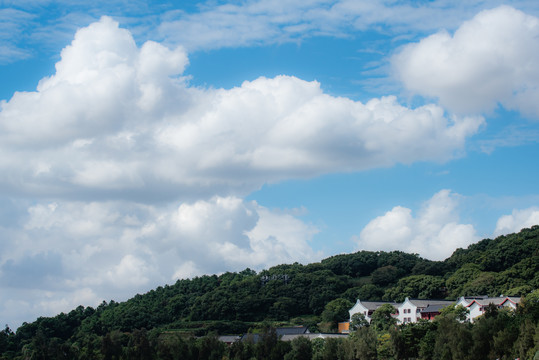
column 66, row 253
column 119, row 176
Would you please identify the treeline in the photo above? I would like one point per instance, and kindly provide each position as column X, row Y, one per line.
column 498, row 334
column 313, row 295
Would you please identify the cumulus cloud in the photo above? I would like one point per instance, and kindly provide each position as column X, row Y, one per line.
column 489, row 60
column 116, row 120
column 434, row 233
column 518, row 220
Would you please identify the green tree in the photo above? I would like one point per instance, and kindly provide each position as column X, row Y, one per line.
column 7, row 337
column 386, row 275
column 382, row 318
column 417, row 286
column 301, row 349
column 139, row 346
column 409, row 338
column 453, row 337
column 361, row 345
column 327, row 349
column 384, row 346
column 171, row 346
column 210, row 348
column 336, row 311
column 357, row 321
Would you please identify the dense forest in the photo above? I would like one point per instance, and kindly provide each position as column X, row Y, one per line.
column 181, row 321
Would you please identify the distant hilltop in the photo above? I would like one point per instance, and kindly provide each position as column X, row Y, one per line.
column 317, row 296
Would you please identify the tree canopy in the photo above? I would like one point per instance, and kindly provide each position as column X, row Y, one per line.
column 165, row 318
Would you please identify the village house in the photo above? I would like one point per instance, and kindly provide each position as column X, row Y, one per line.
column 368, row 307
column 477, row 307
column 412, row 310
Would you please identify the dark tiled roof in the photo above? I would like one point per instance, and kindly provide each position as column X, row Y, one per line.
column 433, row 308
column 373, row 305
column 291, row 330
column 420, row 303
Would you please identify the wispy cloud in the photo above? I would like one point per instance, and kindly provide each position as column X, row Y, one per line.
column 246, row 23
column 510, row 136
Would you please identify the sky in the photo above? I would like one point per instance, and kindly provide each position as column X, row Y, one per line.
column 142, row 142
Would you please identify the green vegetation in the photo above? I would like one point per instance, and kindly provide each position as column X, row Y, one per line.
column 180, row 321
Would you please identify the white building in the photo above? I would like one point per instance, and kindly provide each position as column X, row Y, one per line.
column 477, row 306
column 368, row 307
column 413, row 309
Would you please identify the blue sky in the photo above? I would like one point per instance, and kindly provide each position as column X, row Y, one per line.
column 147, row 141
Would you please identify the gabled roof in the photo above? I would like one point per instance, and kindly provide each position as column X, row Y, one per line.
column 495, row 300
column 373, row 305
column 487, row 301
column 513, row 299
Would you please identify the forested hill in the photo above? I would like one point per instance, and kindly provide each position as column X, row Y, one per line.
column 298, row 294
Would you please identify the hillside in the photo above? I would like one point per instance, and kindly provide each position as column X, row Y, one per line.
column 298, row 294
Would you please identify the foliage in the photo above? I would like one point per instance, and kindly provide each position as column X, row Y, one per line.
column 382, row 318
column 336, row 311
column 357, row 321
column 417, row 286
column 181, row 320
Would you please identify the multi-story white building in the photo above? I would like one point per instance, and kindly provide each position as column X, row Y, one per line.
column 368, row 307
column 413, row 309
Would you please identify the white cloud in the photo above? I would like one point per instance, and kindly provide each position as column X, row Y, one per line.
column 164, row 165
column 518, row 220
column 214, row 25
column 131, row 272
column 489, row 60
column 118, row 121
column 434, row 233
column 276, row 21
column 112, row 250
